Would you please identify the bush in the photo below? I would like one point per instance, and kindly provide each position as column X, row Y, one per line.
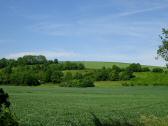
column 57, row 76
column 114, row 75
column 145, row 69
column 78, row 76
column 87, row 82
column 125, row 75
column 30, row 80
column 116, row 68
column 84, row 82
column 157, row 70
column 71, row 83
column 102, row 74
column 67, row 76
column 6, row 117
column 125, row 84
column 135, row 67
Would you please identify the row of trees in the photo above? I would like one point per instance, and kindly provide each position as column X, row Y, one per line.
column 113, row 74
column 34, row 70
column 38, row 61
column 42, row 73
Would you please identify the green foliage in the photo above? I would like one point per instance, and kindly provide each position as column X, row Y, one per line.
column 3, row 63
column 77, row 81
column 68, row 76
column 145, row 69
column 114, row 74
column 6, row 117
column 56, row 76
column 134, row 67
column 163, row 48
column 126, row 75
column 30, row 80
column 34, row 70
column 102, row 74
column 31, row 60
column 87, row 82
column 78, row 76
column 157, row 70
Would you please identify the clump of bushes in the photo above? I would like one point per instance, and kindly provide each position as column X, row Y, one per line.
column 6, row 116
column 113, row 74
column 157, row 70
column 125, row 75
column 78, row 80
column 134, row 67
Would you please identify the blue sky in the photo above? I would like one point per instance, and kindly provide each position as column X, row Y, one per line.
column 96, row 30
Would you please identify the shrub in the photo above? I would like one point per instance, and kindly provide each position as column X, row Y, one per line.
column 125, row 84
column 116, row 68
column 78, row 76
column 6, row 117
column 67, row 76
column 87, row 82
column 135, row 67
column 84, row 82
column 145, row 69
column 56, row 77
column 157, row 70
column 71, row 83
column 125, row 75
column 114, row 75
column 30, row 80
column 102, row 74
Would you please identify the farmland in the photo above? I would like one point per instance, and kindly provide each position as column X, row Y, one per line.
column 52, row 105
column 48, row 104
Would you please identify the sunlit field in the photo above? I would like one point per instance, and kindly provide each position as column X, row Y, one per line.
column 52, row 105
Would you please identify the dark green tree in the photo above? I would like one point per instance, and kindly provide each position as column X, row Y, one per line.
column 3, row 63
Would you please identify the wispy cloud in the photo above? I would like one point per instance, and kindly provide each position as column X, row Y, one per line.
column 129, row 13
column 132, row 29
column 48, row 54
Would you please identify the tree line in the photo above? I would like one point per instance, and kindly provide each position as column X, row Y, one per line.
column 35, row 70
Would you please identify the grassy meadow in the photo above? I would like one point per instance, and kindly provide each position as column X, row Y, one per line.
column 52, row 106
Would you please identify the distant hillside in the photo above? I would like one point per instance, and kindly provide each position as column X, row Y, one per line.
column 97, row 65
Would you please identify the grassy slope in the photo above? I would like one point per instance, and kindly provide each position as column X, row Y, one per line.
column 97, row 65
column 150, row 78
column 147, row 78
column 57, row 106
column 142, row 78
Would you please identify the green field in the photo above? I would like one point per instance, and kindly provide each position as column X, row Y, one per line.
column 98, row 65
column 51, row 106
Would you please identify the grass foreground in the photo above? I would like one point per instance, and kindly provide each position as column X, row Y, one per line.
column 52, row 105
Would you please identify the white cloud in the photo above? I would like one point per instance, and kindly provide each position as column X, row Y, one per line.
column 48, row 54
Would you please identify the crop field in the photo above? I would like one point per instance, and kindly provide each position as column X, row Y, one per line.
column 52, row 105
